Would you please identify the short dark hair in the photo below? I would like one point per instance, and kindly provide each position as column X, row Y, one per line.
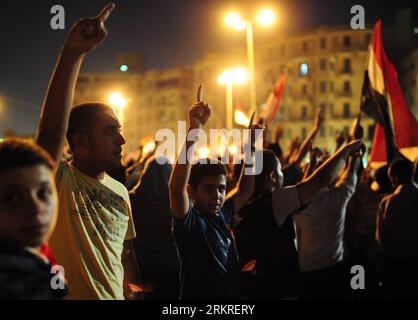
column 382, row 179
column 15, row 153
column 402, row 170
column 204, row 168
column 82, row 119
column 270, row 162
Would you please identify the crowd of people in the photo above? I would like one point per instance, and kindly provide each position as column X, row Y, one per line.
column 201, row 230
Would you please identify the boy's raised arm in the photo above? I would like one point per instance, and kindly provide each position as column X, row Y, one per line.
column 84, row 36
column 199, row 114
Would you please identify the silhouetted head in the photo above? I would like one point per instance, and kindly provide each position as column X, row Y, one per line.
column 401, row 171
column 271, row 177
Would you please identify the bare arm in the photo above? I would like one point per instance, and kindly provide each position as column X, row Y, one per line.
column 130, row 267
column 303, row 150
column 245, row 185
column 85, row 36
column 327, row 172
column 179, row 199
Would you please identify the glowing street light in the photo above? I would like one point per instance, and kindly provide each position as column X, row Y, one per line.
column 241, row 118
column 265, row 17
column 234, row 20
column 228, row 78
column 118, row 102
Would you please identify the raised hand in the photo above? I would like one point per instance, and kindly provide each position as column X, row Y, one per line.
column 200, row 112
column 357, row 131
column 253, row 127
column 315, row 154
column 356, row 148
column 340, row 140
column 86, row 34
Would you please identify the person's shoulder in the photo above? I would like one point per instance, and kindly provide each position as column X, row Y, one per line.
column 116, row 186
column 64, row 172
column 188, row 218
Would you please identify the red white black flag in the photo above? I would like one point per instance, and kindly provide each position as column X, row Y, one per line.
column 383, row 100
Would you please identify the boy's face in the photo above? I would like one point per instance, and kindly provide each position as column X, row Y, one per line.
column 28, row 202
column 209, row 196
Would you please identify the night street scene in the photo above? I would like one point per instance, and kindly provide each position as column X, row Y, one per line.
column 209, row 154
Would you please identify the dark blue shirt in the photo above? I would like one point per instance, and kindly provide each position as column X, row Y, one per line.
column 208, row 257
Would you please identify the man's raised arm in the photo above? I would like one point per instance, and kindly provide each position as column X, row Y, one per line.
column 327, row 172
column 85, row 36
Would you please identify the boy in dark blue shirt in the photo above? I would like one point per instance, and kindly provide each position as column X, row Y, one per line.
column 201, row 215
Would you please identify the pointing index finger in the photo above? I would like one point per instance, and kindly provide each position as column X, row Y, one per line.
column 199, row 97
column 252, row 120
column 104, row 14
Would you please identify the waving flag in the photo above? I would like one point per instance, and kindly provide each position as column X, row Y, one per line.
column 382, row 99
column 273, row 101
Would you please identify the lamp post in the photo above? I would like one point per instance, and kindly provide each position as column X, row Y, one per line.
column 264, row 18
column 228, row 78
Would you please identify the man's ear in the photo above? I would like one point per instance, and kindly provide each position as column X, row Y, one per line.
column 190, row 191
column 80, row 141
column 272, row 176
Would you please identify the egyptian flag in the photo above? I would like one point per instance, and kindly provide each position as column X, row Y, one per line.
column 273, row 101
column 382, row 99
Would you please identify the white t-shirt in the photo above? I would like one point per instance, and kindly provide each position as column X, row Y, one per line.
column 285, row 202
column 93, row 222
column 320, row 225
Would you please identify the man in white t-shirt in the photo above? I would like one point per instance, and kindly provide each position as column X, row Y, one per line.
column 320, row 229
column 92, row 239
column 288, row 201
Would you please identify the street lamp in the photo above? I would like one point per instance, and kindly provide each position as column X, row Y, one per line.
column 228, row 78
column 118, row 102
column 265, row 17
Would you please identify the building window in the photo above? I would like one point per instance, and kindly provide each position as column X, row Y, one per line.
column 347, row 87
column 304, row 113
column 347, row 65
column 323, row 43
column 303, row 69
column 323, row 86
column 346, row 110
column 304, row 46
column 322, row 64
column 304, row 89
column 347, row 41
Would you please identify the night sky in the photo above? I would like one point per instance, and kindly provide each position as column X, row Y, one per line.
column 169, row 32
